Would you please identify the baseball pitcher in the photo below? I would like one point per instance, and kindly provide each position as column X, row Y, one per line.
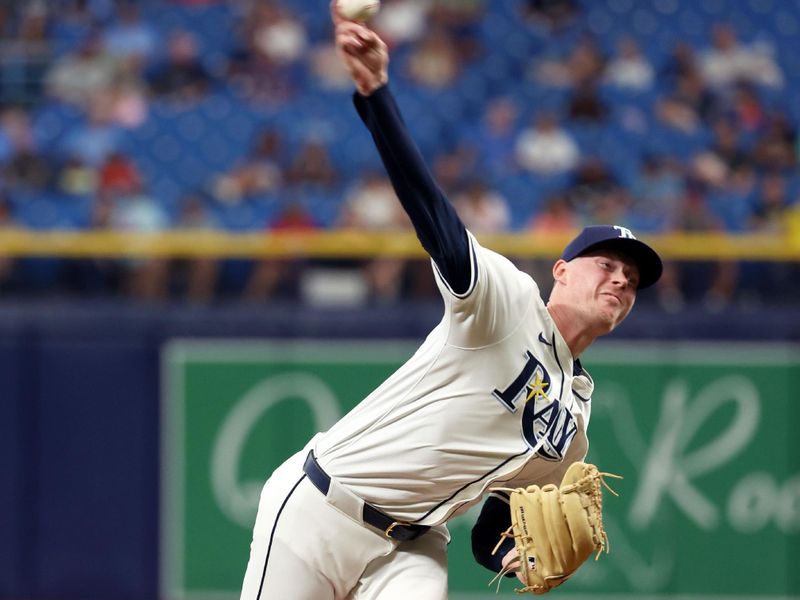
column 494, row 406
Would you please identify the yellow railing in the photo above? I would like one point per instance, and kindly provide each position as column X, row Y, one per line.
column 356, row 244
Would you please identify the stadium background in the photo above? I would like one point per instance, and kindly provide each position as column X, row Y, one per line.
column 184, row 242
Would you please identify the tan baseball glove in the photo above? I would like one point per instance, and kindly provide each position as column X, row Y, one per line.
column 556, row 528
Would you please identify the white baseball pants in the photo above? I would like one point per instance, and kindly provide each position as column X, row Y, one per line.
column 310, row 547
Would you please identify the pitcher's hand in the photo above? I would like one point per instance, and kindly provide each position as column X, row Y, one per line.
column 363, row 52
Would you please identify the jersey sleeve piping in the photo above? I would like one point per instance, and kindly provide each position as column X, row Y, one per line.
column 473, row 266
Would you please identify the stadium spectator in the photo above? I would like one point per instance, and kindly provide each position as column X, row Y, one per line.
column 585, row 104
column 401, row 21
column 266, row 64
column 196, row 277
column 774, row 213
column 96, row 138
column 714, row 281
column 126, row 99
column 690, row 104
column 22, row 165
column 591, row 186
column 629, row 68
column 327, row 71
column 775, row 147
column 728, row 61
column 76, row 178
column 435, row 61
column 728, row 144
column 78, row 77
column 277, row 34
column 274, row 276
column 454, row 169
column 6, row 215
column 554, row 15
column 180, row 76
column 462, row 19
column 260, row 172
column 726, row 153
column 73, row 20
column 747, row 110
column 612, row 207
column 27, row 49
column 372, row 205
column 312, row 167
column 14, row 132
column 138, row 211
column 546, row 148
column 118, row 175
column 584, row 64
column 557, row 216
column 680, row 61
column 131, row 38
column 771, row 205
column 482, row 209
column 732, row 202
column 657, row 191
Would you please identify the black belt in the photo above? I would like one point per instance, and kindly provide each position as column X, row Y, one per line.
column 397, row 530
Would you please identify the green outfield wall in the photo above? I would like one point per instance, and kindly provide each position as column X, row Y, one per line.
column 705, row 436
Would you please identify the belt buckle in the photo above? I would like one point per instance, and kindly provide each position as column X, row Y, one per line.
column 388, row 532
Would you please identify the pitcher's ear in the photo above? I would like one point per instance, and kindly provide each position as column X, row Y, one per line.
column 559, row 269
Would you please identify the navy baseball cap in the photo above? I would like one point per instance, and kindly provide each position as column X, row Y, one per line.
column 614, row 237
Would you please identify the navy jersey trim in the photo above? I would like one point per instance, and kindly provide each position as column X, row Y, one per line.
column 501, row 494
column 272, row 536
column 473, row 268
column 558, row 361
column 466, row 485
column 581, row 398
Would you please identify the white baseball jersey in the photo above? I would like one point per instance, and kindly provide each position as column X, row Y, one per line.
column 490, row 398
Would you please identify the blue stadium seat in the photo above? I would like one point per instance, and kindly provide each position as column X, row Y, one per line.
column 54, row 211
column 251, row 214
column 52, row 121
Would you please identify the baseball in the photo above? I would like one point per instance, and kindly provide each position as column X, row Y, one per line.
column 358, row 10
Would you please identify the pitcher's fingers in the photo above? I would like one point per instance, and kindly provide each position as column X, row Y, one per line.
column 357, row 29
column 350, row 43
column 369, row 37
column 352, row 34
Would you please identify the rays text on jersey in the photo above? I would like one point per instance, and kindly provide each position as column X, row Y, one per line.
column 548, row 426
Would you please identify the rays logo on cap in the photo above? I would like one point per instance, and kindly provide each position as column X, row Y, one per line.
column 624, row 232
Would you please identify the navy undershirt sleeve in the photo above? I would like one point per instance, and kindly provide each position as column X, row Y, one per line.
column 494, row 519
column 435, row 221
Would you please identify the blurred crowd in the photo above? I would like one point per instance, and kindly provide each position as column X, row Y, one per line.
column 535, row 115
